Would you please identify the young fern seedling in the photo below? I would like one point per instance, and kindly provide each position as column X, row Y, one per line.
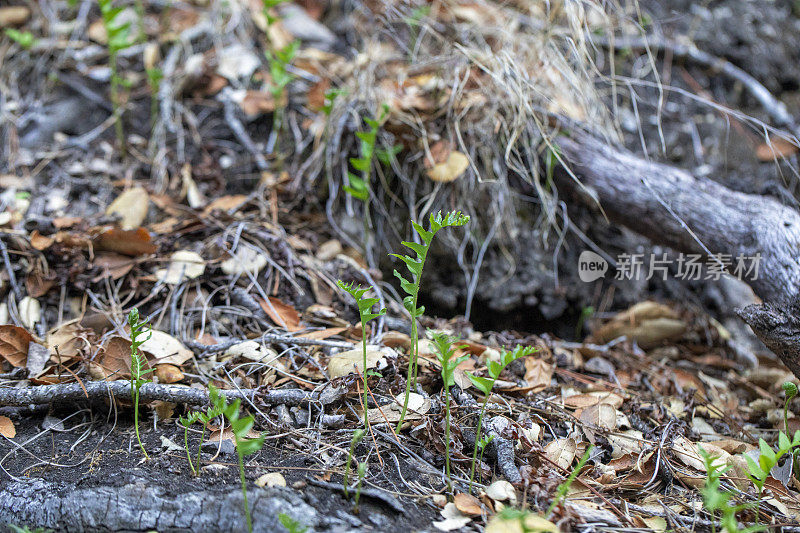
column 411, row 288
column 362, row 472
column 119, row 38
column 359, row 187
column 240, row 426
column 790, row 389
column 485, row 385
column 138, row 366
column 204, row 418
column 716, row 500
column 279, row 61
column 23, row 38
column 357, row 436
column 291, row 525
column 365, row 313
column 563, row 488
column 442, row 344
column 767, row 460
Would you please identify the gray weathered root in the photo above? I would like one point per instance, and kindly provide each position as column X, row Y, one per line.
column 143, row 507
column 693, row 215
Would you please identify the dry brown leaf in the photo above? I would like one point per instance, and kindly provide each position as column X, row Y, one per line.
column 132, row 243
column 561, row 452
column 183, row 265
column 164, row 348
column 468, row 504
column 257, row 103
column 7, row 428
column 601, row 415
column 14, row 16
column 582, row 401
column 168, row 373
column 41, row 242
column 322, row 334
column 112, row 265
column 343, row 363
column 67, row 341
column 281, row 314
column 450, row 169
column 775, row 149
column 14, row 342
column 131, row 207
column 226, row 203
column 114, row 360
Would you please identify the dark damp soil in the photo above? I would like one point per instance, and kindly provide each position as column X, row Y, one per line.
column 87, row 450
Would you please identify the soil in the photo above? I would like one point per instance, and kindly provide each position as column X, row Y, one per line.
column 94, row 455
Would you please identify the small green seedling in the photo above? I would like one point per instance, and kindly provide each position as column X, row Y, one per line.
column 204, row 418
column 119, row 38
column 486, row 384
column 330, row 97
column 291, row 525
column 716, row 500
column 359, row 186
column 240, row 426
column 154, row 77
column 563, row 488
column 442, row 344
column 23, row 38
column 511, row 519
column 482, row 444
column 138, row 366
column 279, row 62
column 26, row 529
column 411, row 288
column 791, row 391
column 362, row 472
column 365, row 313
column 767, row 460
column 357, row 436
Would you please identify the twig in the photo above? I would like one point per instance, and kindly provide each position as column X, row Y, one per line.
column 375, row 494
column 97, row 390
column 269, row 338
column 774, row 107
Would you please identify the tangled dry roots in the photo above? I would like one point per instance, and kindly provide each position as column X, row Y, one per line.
column 482, row 79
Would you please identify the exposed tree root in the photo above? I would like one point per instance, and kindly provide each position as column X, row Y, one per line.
column 144, row 507
column 98, row 390
column 693, row 215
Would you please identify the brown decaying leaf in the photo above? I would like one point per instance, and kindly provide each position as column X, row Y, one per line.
column 467, row 504
column 14, row 342
column 133, row 242
column 7, row 428
column 561, row 451
column 775, row 149
column 282, row 314
column 168, row 373
column 112, row 265
column 115, row 359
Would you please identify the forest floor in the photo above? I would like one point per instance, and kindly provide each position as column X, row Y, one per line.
column 228, row 237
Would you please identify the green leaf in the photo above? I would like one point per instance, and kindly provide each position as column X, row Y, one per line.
column 419, row 249
column 784, row 444
column 494, row 369
column 767, row 452
column 425, row 235
column 250, row 446
column 481, row 383
column 242, row 426
column 755, row 470
column 407, row 286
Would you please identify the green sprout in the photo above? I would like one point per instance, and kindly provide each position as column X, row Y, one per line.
column 204, row 418
column 563, row 488
column 362, row 471
column 279, row 61
column 357, row 436
column 365, row 313
column 791, row 391
column 23, row 38
column 767, row 460
column 411, row 288
column 138, row 366
column 716, row 500
column 442, row 343
column 330, row 97
column 241, row 427
column 359, row 186
column 291, row 525
column 119, row 38
column 154, row 77
column 486, row 384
